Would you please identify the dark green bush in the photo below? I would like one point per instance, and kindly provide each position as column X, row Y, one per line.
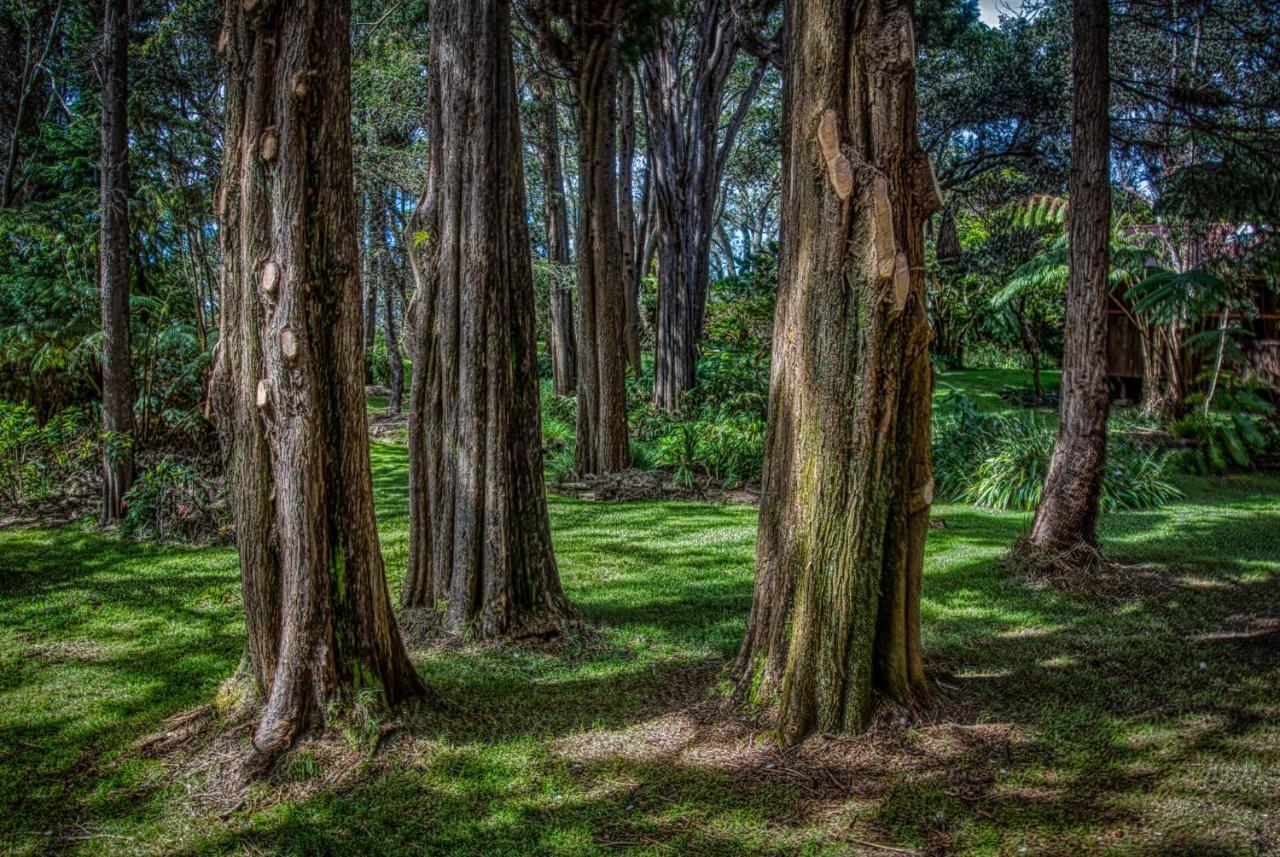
column 174, row 499
column 37, row 461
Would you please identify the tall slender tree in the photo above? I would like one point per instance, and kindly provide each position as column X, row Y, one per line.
column 113, row 263
column 683, row 80
column 1067, row 516
column 627, row 225
column 287, row 385
column 479, row 536
column 847, row 486
column 562, row 341
column 386, row 273
column 581, row 36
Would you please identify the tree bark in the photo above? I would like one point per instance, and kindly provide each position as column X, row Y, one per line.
column 1163, row 391
column 1068, row 512
column 369, row 317
column 627, row 219
column 287, row 384
column 479, row 538
column 835, row 619
column 562, row 342
column 601, row 439
column 113, row 266
column 687, row 155
column 384, row 272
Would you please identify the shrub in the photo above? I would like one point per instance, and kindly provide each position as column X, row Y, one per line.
column 1233, row 436
column 37, row 461
column 962, row 437
column 730, row 449
column 174, row 499
column 1012, row 474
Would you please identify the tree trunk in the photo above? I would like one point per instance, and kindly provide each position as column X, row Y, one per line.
column 384, row 273
column 562, row 342
column 1032, row 346
column 1068, row 512
column 1163, row 393
column 479, row 538
column 370, row 313
column 602, row 443
column 688, row 151
column 113, row 266
column 288, row 377
column 835, row 618
column 627, row 219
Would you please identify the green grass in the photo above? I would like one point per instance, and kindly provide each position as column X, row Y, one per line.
column 984, row 385
column 1065, row 723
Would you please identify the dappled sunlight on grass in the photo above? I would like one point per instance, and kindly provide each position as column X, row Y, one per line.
column 1062, row 722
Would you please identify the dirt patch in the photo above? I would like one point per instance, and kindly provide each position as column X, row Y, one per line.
column 81, row 497
column 384, row 426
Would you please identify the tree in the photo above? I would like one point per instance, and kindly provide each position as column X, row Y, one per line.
column 287, row 389
column 1067, row 516
column 835, row 617
column 684, row 99
column 113, row 266
column 581, row 37
column 562, row 342
column 386, row 273
column 479, row 532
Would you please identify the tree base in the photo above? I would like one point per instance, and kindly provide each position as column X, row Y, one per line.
column 1077, row 567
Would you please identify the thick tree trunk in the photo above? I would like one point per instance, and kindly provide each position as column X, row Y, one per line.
column 602, row 444
column 688, row 150
column 113, row 265
column 385, row 273
column 1068, row 512
column 288, row 378
column 562, row 341
column 847, row 486
column 479, row 539
column 627, row 219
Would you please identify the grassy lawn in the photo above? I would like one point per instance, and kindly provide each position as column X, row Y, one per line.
column 1142, row 722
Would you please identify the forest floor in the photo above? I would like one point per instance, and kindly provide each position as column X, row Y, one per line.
column 1143, row 719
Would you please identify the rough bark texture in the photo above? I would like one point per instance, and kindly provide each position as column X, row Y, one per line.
column 601, row 439
column 287, row 384
column 844, row 512
column 113, row 263
column 385, row 272
column 1068, row 512
column 1163, row 387
column 479, row 540
column 627, row 219
column 688, row 151
column 562, row 341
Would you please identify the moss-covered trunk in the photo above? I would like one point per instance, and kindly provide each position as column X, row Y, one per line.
column 844, row 514
column 287, row 383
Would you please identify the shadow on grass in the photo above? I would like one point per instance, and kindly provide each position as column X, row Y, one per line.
column 1063, row 722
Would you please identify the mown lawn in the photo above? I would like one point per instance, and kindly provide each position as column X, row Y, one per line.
column 1141, row 721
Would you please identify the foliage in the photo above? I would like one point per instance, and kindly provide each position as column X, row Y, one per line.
column 37, row 461
column 999, row 461
column 175, row 499
column 729, row 449
column 1235, row 434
